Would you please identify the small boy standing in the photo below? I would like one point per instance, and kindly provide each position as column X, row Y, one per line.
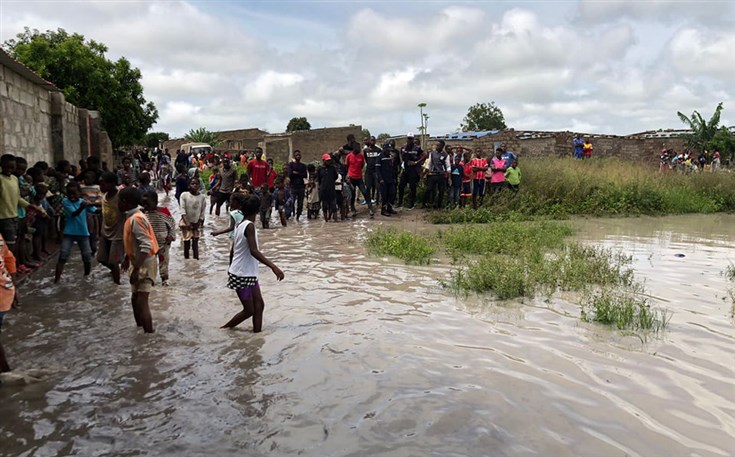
column 513, row 176
column 193, row 210
column 266, row 203
column 164, row 228
column 76, row 230
column 140, row 253
column 110, row 253
column 283, row 201
column 91, row 193
column 243, row 271
column 456, row 175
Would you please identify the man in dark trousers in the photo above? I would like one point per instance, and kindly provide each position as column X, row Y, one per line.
column 412, row 158
column 386, row 170
column 297, row 175
column 372, row 156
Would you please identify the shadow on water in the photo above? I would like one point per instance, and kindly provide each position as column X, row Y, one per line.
column 365, row 356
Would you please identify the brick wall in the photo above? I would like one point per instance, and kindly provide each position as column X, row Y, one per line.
column 559, row 144
column 39, row 124
column 316, row 142
column 25, row 109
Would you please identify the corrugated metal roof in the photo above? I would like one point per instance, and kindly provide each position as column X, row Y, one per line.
column 25, row 72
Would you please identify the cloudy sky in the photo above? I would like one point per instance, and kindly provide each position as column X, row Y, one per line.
column 594, row 66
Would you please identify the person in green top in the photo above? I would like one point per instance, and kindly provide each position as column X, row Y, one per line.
column 513, row 176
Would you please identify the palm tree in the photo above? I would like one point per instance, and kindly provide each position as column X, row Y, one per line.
column 702, row 132
column 202, row 135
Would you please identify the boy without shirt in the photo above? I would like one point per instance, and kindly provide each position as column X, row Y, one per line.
column 110, row 250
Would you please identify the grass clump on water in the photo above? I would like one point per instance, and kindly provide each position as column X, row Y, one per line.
column 521, row 259
column 624, row 310
column 558, row 188
column 410, row 247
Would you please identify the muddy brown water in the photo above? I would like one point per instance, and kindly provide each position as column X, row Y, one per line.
column 365, row 356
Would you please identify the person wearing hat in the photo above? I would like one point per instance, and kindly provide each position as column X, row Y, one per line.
column 326, row 177
column 412, row 158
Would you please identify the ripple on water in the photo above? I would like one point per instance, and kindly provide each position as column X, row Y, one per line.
column 365, row 356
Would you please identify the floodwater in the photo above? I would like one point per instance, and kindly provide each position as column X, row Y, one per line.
column 365, row 356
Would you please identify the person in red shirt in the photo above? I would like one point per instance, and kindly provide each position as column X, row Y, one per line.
column 479, row 167
column 258, row 169
column 355, row 161
column 466, row 179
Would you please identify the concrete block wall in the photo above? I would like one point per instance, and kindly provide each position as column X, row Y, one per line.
column 25, row 109
column 40, row 125
column 316, row 142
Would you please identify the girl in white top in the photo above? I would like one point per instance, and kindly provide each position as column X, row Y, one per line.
column 237, row 202
column 243, row 272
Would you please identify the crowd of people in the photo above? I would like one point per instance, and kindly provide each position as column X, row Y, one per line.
column 689, row 162
column 114, row 216
column 384, row 177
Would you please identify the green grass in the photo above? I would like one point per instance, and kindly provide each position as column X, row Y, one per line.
column 522, row 259
column 558, row 188
column 624, row 310
column 410, row 247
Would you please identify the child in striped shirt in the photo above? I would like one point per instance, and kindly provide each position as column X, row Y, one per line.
column 164, row 227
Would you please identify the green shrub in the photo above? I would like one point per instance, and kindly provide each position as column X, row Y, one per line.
column 624, row 310
column 410, row 247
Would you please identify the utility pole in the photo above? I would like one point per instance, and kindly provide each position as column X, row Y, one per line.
column 426, row 126
column 421, row 106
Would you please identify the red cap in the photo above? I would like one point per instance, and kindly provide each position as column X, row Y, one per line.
column 326, row 157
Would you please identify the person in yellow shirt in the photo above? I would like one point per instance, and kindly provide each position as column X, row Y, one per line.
column 10, row 201
column 587, row 149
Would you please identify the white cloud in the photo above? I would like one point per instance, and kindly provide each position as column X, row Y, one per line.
column 615, row 67
column 702, row 52
column 270, row 83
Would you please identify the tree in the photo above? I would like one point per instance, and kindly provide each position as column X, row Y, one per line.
column 153, row 139
column 702, row 133
column 483, row 116
column 298, row 123
column 383, row 136
column 365, row 133
column 202, row 135
column 89, row 80
column 724, row 141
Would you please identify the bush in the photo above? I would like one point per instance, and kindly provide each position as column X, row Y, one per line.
column 410, row 247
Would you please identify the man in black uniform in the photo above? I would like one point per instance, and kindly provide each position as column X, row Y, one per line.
column 412, row 158
column 386, row 171
column 297, row 175
column 372, row 155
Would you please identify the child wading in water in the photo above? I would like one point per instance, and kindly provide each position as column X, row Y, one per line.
column 141, row 247
column 243, row 271
column 193, row 206
column 75, row 229
column 164, row 228
column 237, row 202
